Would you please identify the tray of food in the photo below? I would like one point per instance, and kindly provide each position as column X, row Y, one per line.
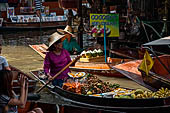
column 77, row 75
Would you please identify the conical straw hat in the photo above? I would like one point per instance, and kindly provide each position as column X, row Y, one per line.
column 53, row 38
column 67, row 29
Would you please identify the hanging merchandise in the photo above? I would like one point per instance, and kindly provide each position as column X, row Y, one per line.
column 10, row 12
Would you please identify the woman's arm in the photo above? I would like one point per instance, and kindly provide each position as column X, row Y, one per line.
column 47, row 64
column 21, row 100
column 26, row 93
column 6, row 65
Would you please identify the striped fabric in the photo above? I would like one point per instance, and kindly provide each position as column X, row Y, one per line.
column 38, row 4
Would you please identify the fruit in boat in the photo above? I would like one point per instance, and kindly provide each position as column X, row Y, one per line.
column 100, row 52
column 139, row 91
column 88, row 54
column 89, row 93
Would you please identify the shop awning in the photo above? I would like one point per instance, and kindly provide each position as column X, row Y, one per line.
column 161, row 41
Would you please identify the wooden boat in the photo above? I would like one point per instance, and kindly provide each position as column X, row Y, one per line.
column 110, row 104
column 16, row 86
column 130, row 70
column 158, row 76
column 32, row 25
column 100, row 68
column 46, row 107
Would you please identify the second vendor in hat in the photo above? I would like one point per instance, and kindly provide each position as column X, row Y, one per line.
column 70, row 43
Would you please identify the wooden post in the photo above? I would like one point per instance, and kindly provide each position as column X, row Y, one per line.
column 80, row 27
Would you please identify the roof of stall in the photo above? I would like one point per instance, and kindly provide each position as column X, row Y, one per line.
column 161, row 41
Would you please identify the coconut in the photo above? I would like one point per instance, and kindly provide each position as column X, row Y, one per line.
column 83, row 54
column 100, row 52
column 88, row 54
column 94, row 53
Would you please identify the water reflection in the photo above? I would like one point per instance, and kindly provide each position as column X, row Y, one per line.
column 25, row 37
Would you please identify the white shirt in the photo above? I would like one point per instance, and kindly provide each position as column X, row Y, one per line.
column 3, row 62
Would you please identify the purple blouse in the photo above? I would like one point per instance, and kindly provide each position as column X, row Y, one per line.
column 54, row 63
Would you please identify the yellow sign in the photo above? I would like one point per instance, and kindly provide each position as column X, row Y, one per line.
column 111, row 21
column 147, row 63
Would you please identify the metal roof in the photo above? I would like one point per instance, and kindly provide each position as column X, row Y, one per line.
column 161, row 41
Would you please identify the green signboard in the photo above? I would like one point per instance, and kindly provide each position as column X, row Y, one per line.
column 111, row 21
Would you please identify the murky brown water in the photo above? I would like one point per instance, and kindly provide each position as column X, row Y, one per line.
column 22, row 57
column 17, row 51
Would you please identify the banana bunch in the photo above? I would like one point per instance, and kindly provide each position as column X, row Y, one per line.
column 162, row 93
column 141, row 94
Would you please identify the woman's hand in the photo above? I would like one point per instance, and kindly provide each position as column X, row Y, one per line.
column 49, row 77
column 23, row 81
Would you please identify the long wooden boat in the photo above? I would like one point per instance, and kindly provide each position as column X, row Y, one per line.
column 32, row 25
column 110, row 104
column 113, row 104
column 16, row 86
column 100, row 68
column 130, row 70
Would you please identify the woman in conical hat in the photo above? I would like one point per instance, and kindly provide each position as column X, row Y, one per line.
column 70, row 43
column 56, row 59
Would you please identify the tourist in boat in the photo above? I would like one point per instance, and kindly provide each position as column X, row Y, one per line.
column 8, row 99
column 70, row 43
column 3, row 62
column 56, row 59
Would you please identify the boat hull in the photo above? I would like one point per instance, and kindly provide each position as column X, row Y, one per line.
column 32, row 25
column 155, row 80
column 158, row 76
column 109, row 104
column 113, row 103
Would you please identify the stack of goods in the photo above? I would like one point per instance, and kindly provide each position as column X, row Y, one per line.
column 92, row 56
column 135, row 93
column 161, row 93
column 95, row 86
column 90, row 53
column 90, row 85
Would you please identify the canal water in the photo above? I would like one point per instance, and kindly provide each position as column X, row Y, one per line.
column 18, row 53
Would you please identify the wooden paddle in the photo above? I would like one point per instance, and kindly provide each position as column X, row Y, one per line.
column 77, row 58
